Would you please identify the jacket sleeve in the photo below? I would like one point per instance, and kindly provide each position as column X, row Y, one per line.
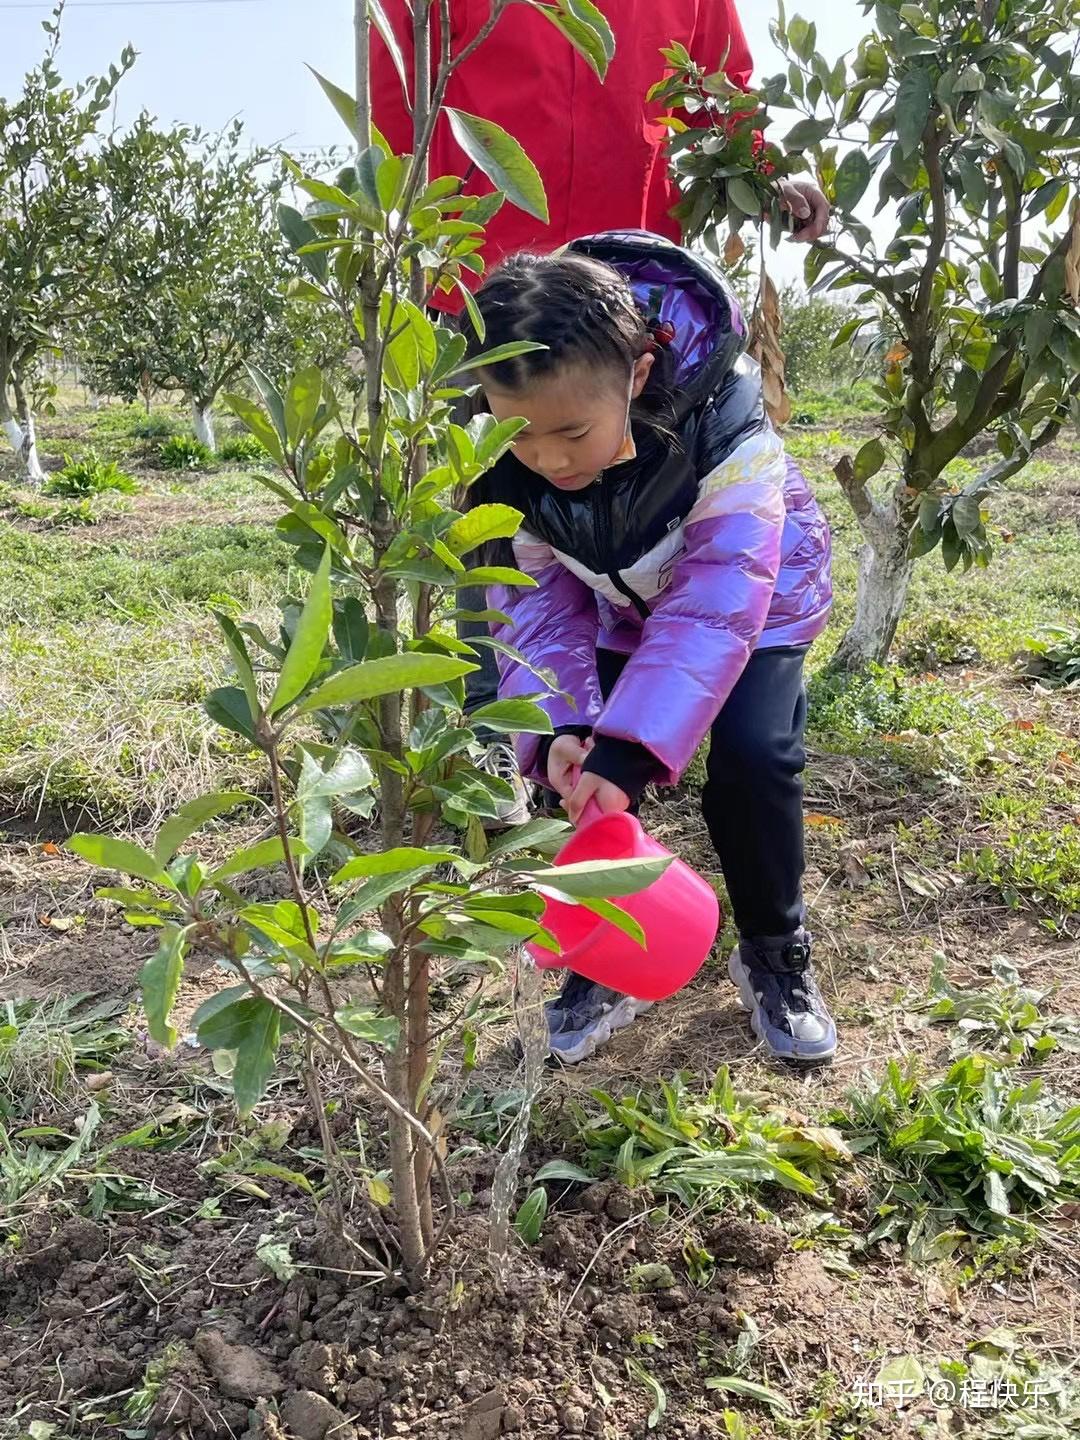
column 705, row 625
column 554, row 627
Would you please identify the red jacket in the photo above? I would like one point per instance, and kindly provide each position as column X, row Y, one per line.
column 596, row 145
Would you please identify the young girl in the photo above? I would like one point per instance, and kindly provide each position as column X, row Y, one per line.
column 682, row 570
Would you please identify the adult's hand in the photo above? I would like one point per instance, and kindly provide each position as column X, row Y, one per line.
column 610, row 799
column 806, row 203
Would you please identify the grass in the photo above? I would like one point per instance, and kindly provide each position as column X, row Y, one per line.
column 976, row 1150
column 109, row 648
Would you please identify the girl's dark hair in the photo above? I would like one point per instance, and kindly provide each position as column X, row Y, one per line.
column 585, row 313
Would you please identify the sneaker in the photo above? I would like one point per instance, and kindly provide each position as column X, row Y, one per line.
column 585, row 1015
column 777, row 986
column 497, row 758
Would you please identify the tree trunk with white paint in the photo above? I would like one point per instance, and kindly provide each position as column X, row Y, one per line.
column 884, row 577
column 885, row 567
column 203, row 422
column 22, row 434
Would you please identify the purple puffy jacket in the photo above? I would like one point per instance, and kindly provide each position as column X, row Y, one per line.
column 687, row 558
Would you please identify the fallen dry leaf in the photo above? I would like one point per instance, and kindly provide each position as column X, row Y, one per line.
column 100, row 1080
column 820, row 821
column 50, row 849
column 1024, row 724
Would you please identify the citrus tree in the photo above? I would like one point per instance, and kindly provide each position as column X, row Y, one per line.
column 355, row 702
column 67, row 195
column 198, row 286
column 960, row 123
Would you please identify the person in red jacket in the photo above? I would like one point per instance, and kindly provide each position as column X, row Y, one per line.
column 597, row 144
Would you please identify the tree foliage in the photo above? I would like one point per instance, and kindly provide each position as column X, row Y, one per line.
column 960, row 122
column 67, row 196
column 198, row 285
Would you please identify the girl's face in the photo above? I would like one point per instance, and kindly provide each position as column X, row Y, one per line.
column 578, row 421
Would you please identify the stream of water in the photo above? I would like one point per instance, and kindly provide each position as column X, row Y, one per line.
column 532, row 1027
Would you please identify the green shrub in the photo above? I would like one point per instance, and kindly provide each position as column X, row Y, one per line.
column 243, row 448
column 184, row 452
column 154, row 427
column 810, row 323
column 89, row 476
column 1054, row 657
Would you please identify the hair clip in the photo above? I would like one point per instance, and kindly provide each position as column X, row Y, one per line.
column 662, row 332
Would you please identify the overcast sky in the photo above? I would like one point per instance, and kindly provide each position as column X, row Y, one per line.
column 205, row 61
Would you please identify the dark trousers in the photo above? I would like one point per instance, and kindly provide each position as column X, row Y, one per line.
column 752, row 801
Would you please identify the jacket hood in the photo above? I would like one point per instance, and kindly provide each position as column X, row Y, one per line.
column 675, row 285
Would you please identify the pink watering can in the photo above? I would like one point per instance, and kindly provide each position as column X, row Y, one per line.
column 679, row 914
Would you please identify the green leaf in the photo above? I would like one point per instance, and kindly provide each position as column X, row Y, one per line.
column 302, row 403
column 536, row 835
column 309, row 639
column 496, row 354
column 495, row 575
column 255, row 1054
column 390, row 862
column 482, row 523
column 372, row 678
column 869, row 460
column 587, row 30
column 367, row 1024
column 349, row 773
column 272, row 399
column 655, row 1389
column 902, row 1376
column 345, row 106
column 255, row 419
column 529, row 1220
column 390, row 40
column 255, row 857
column 228, row 707
column 159, row 980
column 351, row 628
column 735, row 1385
column 806, row 133
column 193, row 816
column 852, row 178
column 503, row 161
column 121, row 855
column 617, row 917
column 600, row 879
column 240, row 657
column 512, row 716
column 741, row 193
column 562, row 1170
column 913, row 100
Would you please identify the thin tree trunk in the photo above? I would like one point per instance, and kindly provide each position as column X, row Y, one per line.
column 202, row 421
column 27, row 447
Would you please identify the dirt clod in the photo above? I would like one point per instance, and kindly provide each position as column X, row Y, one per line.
column 308, row 1416
column 747, row 1243
column 240, row 1371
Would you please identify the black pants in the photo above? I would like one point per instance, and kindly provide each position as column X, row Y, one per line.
column 752, row 801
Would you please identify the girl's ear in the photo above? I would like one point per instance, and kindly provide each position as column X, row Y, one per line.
column 642, row 366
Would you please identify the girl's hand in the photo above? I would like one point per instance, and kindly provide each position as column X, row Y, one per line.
column 607, row 795
column 566, row 755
